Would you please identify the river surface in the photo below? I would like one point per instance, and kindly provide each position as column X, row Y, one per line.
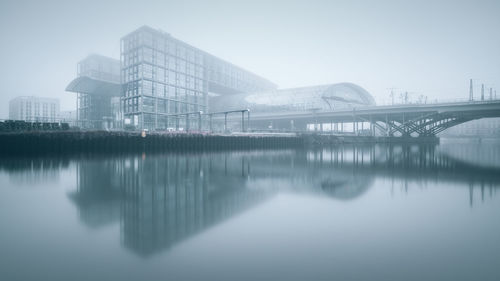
column 373, row 212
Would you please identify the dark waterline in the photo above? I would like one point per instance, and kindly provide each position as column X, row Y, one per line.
column 365, row 212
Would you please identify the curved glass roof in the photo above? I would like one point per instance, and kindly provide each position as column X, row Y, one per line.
column 324, row 97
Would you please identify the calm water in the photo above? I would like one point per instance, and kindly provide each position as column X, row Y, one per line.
column 346, row 213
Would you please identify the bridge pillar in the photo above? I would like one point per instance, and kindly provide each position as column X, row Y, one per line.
column 210, row 124
column 199, row 122
column 388, row 126
column 248, row 120
column 225, row 122
column 242, row 120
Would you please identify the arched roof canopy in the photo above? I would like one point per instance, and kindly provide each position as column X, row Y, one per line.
column 323, row 97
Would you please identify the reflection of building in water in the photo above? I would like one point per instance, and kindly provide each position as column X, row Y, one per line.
column 99, row 191
column 163, row 199
column 30, row 171
column 168, row 199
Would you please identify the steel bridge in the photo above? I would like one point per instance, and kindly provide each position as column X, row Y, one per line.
column 396, row 120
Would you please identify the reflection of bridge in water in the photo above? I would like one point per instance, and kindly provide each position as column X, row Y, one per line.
column 163, row 199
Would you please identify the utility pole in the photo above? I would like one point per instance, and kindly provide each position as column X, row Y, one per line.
column 471, row 92
column 392, row 95
column 482, row 92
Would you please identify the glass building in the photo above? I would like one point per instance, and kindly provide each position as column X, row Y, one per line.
column 161, row 82
column 98, row 86
column 314, row 98
column 164, row 78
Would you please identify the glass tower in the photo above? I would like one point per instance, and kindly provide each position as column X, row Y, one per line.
column 164, row 78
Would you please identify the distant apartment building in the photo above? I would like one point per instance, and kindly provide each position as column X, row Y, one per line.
column 34, row 109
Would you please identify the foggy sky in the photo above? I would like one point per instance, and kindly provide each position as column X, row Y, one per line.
column 424, row 47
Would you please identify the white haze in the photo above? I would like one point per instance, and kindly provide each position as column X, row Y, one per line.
column 425, row 47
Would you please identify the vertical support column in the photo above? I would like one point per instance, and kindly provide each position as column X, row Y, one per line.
column 199, row 121
column 210, row 125
column 156, row 113
column 243, row 120
column 471, row 91
column 248, row 120
column 482, row 92
column 404, row 125
column 187, row 122
column 372, row 127
column 354, row 122
column 225, row 122
column 388, row 125
column 77, row 109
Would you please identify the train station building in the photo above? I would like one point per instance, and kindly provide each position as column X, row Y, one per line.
column 160, row 82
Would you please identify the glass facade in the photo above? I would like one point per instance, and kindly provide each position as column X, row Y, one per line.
column 98, row 81
column 163, row 78
column 323, row 98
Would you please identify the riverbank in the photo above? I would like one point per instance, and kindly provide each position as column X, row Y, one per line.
column 120, row 141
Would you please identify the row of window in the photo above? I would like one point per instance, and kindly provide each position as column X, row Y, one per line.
column 155, row 89
column 162, row 106
column 224, row 73
column 155, row 56
column 146, row 104
column 162, row 44
column 153, row 121
column 150, row 72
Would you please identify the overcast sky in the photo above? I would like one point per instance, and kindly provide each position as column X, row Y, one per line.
column 431, row 48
